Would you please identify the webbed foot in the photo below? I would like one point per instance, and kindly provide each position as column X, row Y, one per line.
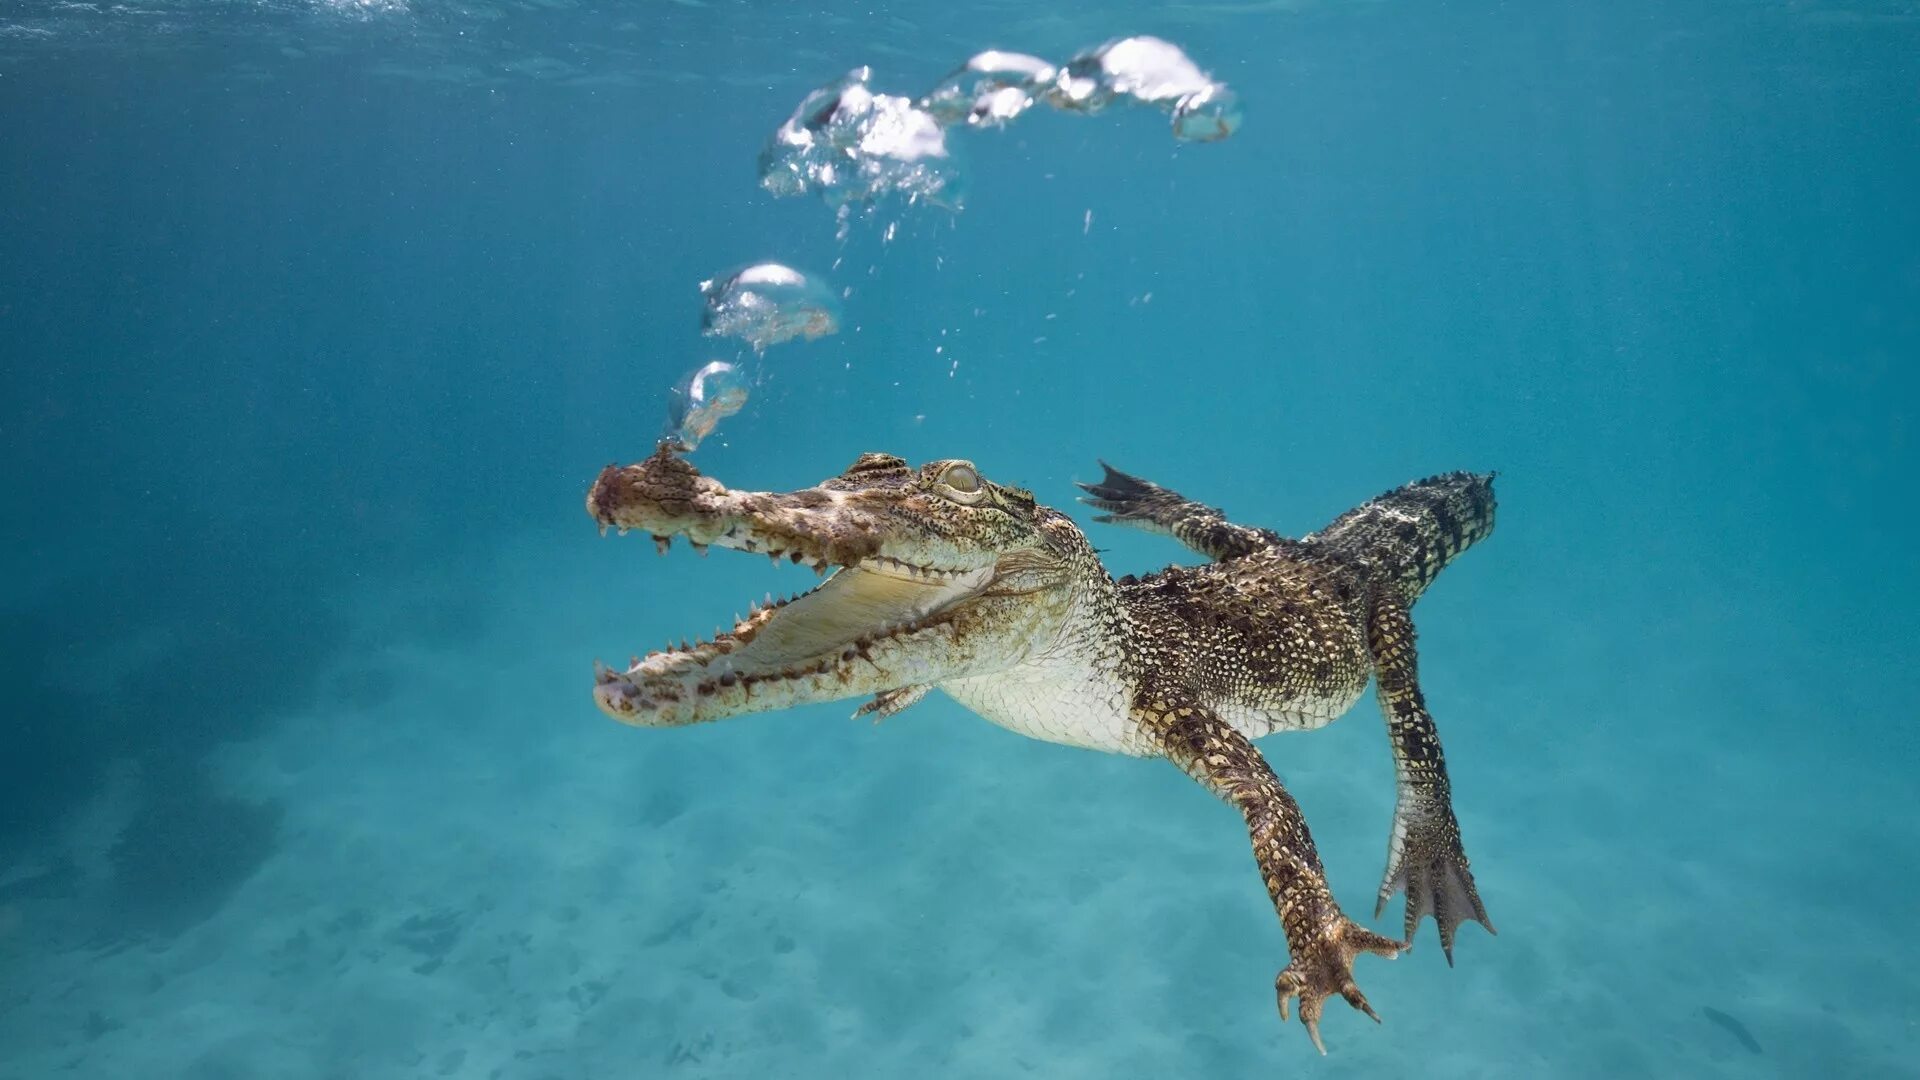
column 1429, row 863
column 1325, row 967
column 1126, row 498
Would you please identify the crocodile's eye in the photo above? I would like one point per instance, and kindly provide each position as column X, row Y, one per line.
column 961, row 479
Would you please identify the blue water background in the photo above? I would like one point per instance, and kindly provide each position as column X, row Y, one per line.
column 317, row 321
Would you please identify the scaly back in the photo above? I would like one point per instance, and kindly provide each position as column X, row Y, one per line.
column 1410, row 533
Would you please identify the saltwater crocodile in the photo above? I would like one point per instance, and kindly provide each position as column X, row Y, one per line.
column 944, row 580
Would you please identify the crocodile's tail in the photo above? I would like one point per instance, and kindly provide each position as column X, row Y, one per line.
column 1412, row 532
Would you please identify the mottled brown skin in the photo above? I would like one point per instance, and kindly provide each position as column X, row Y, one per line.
column 1284, row 603
column 949, row 581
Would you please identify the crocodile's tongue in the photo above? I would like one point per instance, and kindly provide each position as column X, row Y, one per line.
column 853, row 606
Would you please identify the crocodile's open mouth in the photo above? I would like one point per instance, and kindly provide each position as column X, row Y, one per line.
column 878, row 622
column 825, row 631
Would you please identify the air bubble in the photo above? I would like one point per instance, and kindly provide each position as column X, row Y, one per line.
column 768, row 303
column 1152, row 72
column 989, row 90
column 1208, row 116
column 850, row 145
column 703, row 399
column 1146, row 69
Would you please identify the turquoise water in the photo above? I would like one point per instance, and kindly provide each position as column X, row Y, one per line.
column 319, row 318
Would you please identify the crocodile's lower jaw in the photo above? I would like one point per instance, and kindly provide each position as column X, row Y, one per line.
column 870, row 627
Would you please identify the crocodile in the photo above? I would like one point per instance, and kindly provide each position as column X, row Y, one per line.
column 942, row 579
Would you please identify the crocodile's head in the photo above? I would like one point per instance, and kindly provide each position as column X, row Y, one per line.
column 936, row 574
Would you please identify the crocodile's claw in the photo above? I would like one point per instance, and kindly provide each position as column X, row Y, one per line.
column 889, row 702
column 1325, row 968
column 1428, row 862
column 1125, row 497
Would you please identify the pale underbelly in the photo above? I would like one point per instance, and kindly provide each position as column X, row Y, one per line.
column 1095, row 714
column 1300, row 714
column 1092, row 714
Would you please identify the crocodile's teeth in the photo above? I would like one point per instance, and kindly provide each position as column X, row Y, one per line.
column 661, row 544
column 699, row 549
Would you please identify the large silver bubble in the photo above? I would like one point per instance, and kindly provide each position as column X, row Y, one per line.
column 1148, row 71
column 768, row 303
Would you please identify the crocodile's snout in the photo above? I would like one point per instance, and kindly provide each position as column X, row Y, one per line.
column 663, row 487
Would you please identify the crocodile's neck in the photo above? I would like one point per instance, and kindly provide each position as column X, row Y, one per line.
column 1077, row 686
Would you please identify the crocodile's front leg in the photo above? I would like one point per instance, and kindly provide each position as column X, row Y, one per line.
column 1424, row 855
column 1321, row 939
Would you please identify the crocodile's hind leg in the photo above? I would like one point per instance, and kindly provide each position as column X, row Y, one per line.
column 1129, row 500
column 1424, row 855
column 1321, row 939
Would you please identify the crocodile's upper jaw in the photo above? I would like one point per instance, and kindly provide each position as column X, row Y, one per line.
column 940, row 574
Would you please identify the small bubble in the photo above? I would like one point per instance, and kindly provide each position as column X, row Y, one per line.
column 989, row 90
column 703, row 399
column 1208, row 116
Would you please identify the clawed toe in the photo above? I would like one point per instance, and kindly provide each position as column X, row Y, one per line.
column 892, row 702
column 1121, row 495
column 1433, row 870
column 1325, row 968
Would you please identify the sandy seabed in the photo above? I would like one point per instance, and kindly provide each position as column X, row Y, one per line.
column 476, row 875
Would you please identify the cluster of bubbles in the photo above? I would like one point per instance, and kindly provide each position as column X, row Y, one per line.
column 763, row 304
column 851, row 145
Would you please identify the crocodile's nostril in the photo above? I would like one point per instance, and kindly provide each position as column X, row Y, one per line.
column 618, row 699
